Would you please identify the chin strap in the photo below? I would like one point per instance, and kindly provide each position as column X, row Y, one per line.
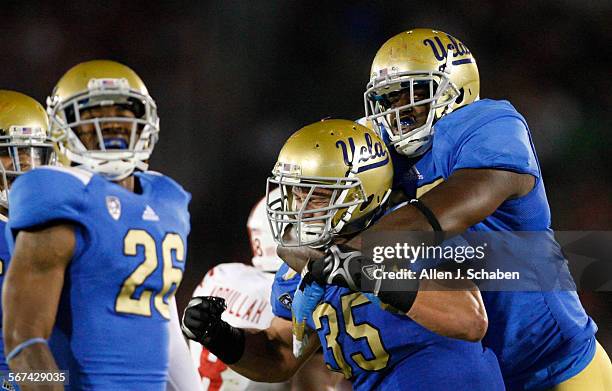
column 142, row 166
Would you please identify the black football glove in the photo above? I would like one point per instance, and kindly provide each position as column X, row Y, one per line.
column 202, row 323
column 343, row 266
column 340, row 266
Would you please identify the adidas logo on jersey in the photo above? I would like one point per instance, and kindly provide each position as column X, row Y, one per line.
column 149, row 214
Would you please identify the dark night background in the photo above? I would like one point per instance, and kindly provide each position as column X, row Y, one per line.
column 233, row 79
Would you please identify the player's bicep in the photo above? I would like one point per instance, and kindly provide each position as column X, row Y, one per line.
column 470, row 195
column 268, row 354
column 34, row 281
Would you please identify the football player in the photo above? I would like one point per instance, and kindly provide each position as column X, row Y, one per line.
column 99, row 245
column 246, row 291
column 24, row 144
column 335, row 175
column 476, row 170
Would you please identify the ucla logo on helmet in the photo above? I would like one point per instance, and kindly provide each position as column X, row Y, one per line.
column 373, row 153
column 440, row 51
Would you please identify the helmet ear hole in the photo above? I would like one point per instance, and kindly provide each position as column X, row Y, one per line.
column 366, row 203
column 459, row 99
column 136, row 107
column 69, row 114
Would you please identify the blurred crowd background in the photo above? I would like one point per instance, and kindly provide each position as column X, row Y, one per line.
column 233, row 79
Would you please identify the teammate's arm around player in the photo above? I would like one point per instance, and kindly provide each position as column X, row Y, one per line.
column 260, row 355
column 466, row 198
column 38, row 264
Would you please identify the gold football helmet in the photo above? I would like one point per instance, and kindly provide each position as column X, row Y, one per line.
column 24, row 138
column 333, row 175
column 103, row 119
column 431, row 69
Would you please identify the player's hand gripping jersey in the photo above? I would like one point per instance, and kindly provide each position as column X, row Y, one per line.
column 540, row 338
column 128, row 262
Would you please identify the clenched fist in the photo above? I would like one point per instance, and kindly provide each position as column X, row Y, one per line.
column 202, row 323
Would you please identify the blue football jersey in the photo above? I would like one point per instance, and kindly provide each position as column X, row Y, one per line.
column 540, row 338
column 380, row 350
column 111, row 330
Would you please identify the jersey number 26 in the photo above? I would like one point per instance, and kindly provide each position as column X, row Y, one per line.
column 172, row 242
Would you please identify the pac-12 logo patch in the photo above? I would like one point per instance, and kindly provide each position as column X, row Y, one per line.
column 113, row 205
column 285, row 299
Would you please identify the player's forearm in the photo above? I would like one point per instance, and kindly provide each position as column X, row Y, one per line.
column 31, row 294
column 455, row 311
column 313, row 375
column 266, row 358
column 30, row 298
column 268, row 355
column 36, row 357
column 297, row 257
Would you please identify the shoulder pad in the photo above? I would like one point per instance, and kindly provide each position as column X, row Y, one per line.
column 503, row 143
column 79, row 173
column 165, row 185
column 168, row 192
column 47, row 194
column 486, row 134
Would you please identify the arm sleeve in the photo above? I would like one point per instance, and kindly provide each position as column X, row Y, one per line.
column 285, row 284
column 182, row 374
column 503, row 143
